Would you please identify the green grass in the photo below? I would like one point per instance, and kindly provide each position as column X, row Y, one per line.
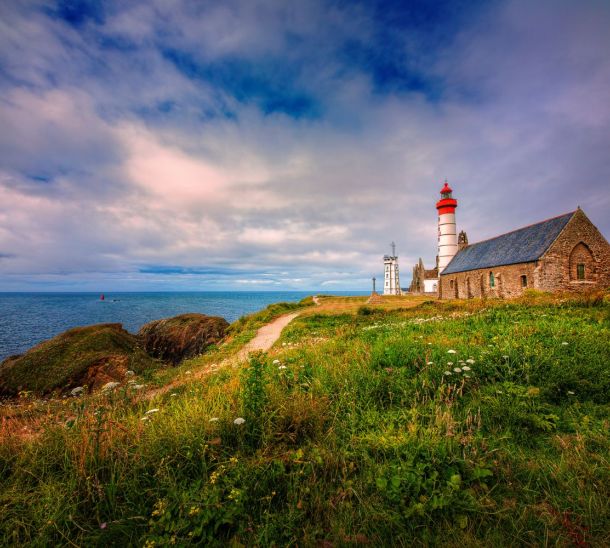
column 356, row 436
column 63, row 361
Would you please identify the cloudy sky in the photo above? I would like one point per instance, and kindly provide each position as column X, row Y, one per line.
column 261, row 145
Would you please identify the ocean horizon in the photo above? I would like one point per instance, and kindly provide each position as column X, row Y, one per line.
column 28, row 318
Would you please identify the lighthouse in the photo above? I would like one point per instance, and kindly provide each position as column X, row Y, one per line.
column 447, row 233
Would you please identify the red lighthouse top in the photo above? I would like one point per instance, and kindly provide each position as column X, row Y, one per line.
column 446, row 204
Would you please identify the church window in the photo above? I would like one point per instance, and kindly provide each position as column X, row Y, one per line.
column 580, row 271
column 524, row 281
column 451, row 284
column 492, row 280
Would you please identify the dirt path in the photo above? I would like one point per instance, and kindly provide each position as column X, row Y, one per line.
column 266, row 335
column 263, row 340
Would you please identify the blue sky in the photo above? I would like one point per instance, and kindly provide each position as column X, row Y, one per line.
column 280, row 145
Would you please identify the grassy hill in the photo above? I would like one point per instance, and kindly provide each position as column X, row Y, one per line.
column 472, row 423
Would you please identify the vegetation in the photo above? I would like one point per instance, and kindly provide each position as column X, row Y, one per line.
column 473, row 423
column 84, row 355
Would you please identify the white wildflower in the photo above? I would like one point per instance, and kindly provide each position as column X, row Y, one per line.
column 144, row 418
column 467, row 376
column 138, row 386
column 110, row 386
column 275, row 362
column 457, row 369
column 570, row 392
column 466, row 368
column 447, row 373
column 78, row 390
column 130, row 373
column 151, row 411
column 564, row 343
column 470, row 361
column 451, row 352
column 505, row 357
column 282, row 367
column 173, row 395
column 429, row 363
column 239, row 421
column 213, row 419
column 449, row 363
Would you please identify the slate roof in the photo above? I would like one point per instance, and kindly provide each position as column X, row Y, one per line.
column 523, row 245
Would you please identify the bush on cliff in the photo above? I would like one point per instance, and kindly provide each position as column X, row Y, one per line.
column 181, row 337
column 92, row 356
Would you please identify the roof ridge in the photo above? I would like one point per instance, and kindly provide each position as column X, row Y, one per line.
column 521, row 228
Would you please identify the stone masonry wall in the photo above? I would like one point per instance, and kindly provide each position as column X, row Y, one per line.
column 579, row 242
column 475, row 283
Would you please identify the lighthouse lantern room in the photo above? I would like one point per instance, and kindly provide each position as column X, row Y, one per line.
column 447, row 233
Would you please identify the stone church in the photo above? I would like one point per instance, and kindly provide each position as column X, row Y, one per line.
column 565, row 253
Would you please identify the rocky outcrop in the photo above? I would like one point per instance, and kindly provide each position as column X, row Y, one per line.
column 176, row 339
column 88, row 356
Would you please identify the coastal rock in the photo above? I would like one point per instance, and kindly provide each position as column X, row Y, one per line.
column 89, row 356
column 176, row 339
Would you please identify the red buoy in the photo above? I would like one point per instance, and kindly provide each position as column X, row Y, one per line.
column 102, row 297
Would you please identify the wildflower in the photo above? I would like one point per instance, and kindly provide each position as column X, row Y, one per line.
column 570, row 392
column 470, row 361
column 467, row 376
column 449, row 363
column 275, row 362
column 173, row 395
column 130, row 373
column 564, row 343
column 505, row 357
column 145, row 418
column 457, row 369
column 194, row 511
column 465, row 368
column 239, row 421
column 103, row 525
column 151, row 411
column 188, row 372
column 138, row 386
column 213, row 419
column 78, row 390
column 429, row 363
column 282, row 367
column 451, row 352
column 447, row 373
column 110, row 386
column 429, row 344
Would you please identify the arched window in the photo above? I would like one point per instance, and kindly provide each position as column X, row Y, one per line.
column 582, row 264
column 492, row 280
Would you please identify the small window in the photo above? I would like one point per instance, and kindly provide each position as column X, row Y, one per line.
column 451, row 284
column 580, row 271
column 523, row 281
column 492, row 280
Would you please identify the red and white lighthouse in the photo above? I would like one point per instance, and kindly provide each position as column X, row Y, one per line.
column 447, row 233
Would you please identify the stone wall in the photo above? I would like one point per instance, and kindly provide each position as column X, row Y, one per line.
column 557, row 270
column 476, row 283
column 579, row 243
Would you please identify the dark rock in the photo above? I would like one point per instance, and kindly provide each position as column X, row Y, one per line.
column 181, row 337
column 91, row 356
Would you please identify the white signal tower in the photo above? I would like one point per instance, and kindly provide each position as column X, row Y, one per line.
column 391, row 279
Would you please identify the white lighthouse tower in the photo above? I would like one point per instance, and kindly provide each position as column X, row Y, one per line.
column 391, row 279
column 447, row 233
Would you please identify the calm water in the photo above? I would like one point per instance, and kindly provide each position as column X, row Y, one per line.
column 29, row 318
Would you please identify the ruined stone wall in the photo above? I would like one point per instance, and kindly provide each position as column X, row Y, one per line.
column 580, row 242
column 476, row 283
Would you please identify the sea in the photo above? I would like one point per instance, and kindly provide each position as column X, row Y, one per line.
column 27, row 319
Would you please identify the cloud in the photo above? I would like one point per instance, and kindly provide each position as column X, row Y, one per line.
column 241, row 144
